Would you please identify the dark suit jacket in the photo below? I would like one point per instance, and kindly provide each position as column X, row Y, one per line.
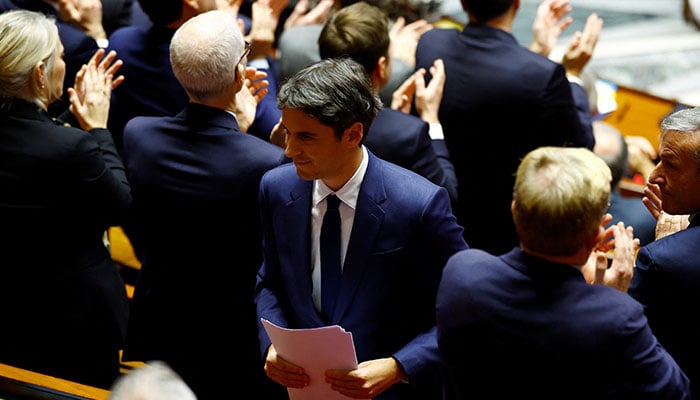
column 500, row 101
column 404, row 140
column 78, row 46
column 518, row 326
column 403, row 233
column 150, row 87
column 195, row 226
column 65, row 306
column 666, row 282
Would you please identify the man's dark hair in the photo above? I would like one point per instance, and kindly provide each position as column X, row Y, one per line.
column 485, row 10
column 162, row 12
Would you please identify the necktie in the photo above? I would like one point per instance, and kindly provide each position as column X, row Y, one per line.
column 330, row 256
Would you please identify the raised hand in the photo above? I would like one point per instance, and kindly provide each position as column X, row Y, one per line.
column 91, row 94
column 550, row 21
column 301, row 15
column 252, row 92
column 404, row 39
column 582, row 45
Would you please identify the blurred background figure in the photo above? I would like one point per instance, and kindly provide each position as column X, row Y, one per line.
column 612, row 147
column 298, row 47
column 154, row 381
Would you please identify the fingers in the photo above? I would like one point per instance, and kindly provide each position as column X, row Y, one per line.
column 253, row 73
column 601, row 266
column 437, row 71
column 403, row 95
column 397, row 27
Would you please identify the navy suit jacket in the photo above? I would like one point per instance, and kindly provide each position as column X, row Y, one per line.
column 78, row 46
column 403, row 233
column 500, row 101
column 518, row 326
column 65, row 307
column 195, row 226
column 405, row 140
column 150, row 87
column 667, row 282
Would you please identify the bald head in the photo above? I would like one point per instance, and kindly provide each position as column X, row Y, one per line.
column 205, row 52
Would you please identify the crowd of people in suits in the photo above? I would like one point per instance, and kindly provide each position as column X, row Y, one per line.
column 483, row 249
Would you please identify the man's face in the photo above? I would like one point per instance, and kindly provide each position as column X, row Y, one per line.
column 316, row 151
column 677, row 173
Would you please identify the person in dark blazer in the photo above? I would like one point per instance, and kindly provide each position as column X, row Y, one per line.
column 397, row 232
column 194, row 222
column 502, row 100
column 667, row 276
column 64, row 303
column 361, row 31
column 540, row 321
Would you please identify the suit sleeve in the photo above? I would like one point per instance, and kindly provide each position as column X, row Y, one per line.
column 566, row 115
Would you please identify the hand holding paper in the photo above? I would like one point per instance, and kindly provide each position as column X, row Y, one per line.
column 316, row 350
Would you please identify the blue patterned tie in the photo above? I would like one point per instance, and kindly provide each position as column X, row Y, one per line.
column 330, row 256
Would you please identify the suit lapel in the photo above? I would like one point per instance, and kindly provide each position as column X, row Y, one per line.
column 369, row 217
column 298, row 209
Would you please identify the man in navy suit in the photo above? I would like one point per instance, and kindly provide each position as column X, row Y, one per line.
column 361, row 31
column 502, row 100
column 195, row 222
column 397, row 231
column 667, row 276
column 529, row 323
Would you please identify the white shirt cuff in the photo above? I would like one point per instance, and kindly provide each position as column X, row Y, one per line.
column 435, row 131
column 575, row 79
column 259, row 63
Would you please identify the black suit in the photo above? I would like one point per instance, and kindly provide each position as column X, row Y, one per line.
column 500, row 101
column 64, row 304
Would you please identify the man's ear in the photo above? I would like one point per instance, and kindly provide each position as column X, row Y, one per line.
column 240, row 73
column 596, row 238
column 354, row 133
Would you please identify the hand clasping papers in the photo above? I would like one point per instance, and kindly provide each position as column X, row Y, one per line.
column 316, row 350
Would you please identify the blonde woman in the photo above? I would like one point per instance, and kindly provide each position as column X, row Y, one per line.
column 64, row 303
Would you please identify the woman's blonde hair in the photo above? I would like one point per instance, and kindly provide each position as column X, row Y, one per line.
column 26, row 38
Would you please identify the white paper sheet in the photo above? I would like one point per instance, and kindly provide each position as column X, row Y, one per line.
column 316, row 350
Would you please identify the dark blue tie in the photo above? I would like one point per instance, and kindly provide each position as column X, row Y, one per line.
column 330, row 256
